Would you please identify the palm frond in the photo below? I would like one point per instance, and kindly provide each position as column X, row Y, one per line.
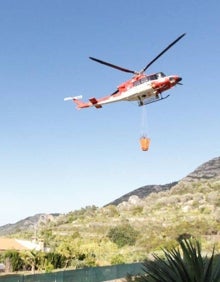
column 182, row 264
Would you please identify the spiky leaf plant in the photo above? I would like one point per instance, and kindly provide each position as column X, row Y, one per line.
column 182, row 264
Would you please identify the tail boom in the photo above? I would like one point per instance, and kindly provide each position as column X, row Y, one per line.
column 81, row 105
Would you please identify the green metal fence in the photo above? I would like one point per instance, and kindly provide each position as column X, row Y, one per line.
column 90, row 274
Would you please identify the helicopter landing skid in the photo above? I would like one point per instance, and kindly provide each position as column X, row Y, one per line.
column 150, row 101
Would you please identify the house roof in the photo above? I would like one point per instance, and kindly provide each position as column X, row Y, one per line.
column 18, row 245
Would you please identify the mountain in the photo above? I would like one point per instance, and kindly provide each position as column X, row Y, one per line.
column 142, row 192
column 209, row 171
column 27, row 224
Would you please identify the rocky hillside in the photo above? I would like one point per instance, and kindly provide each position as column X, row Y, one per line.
column 206, row 172
column 27, row 224
column 143, row 192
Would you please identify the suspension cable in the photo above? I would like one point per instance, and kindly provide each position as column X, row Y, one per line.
column 144, row 123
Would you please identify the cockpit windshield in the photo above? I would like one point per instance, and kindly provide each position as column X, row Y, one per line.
column 160, row 74
column 156, row 76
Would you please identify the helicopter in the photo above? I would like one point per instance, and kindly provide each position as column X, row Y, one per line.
column 144, row 89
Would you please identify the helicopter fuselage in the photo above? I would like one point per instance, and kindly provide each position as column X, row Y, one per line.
column 141, row 87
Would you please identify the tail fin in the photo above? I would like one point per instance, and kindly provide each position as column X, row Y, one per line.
column 76, row 100
column 73, row 98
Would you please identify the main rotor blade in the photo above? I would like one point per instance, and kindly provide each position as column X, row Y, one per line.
column 167, row 48
column 112, row 66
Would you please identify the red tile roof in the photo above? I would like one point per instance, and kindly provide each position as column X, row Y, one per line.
column 10, row 244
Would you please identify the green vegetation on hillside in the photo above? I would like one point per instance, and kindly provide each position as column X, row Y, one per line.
column 135, row 229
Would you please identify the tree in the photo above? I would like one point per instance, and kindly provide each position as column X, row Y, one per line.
column 56, row 260
column 13, row 260
column 182, row 264
column 30, row 259
column 123, row 235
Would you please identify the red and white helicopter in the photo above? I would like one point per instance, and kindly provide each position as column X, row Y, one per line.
column 141, row 87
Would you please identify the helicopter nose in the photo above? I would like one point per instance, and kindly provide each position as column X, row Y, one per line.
column 175, row 79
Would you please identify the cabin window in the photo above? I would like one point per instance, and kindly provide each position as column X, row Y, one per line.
column 137, row 82
column 140, row 81
column 144, row 79
column 149, row 78
column 152, row 77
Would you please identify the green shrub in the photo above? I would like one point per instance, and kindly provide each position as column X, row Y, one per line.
column 13, row 258
column 123, row 235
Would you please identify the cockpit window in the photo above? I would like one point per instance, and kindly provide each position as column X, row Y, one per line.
column 149, row 78
column 156, row 76
column 152, row 77
column 160, row 74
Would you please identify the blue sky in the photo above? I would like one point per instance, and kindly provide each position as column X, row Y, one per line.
column 57, row 159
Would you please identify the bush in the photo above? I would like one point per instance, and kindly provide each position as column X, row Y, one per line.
column 123, row 235
column 13, row 260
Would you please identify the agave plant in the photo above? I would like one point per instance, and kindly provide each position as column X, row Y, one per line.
column 182, row 264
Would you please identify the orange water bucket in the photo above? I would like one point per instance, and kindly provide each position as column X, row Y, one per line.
column 145, row 143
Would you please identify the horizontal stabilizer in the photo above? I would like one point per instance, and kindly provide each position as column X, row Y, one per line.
column 95, row 103
column 73, row 98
